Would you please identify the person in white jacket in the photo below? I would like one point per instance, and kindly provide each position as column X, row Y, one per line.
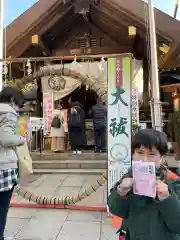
column 10, row 100
column 57, row 133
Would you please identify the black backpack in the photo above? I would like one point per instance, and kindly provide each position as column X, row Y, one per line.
column 75, row 119
column 56, row 122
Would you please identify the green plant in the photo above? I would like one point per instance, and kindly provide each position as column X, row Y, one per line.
column 174, row 126
column 135, row 127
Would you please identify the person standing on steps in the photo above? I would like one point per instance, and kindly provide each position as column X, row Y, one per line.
column 76, row 127
column 11, row 99
column 57, row 129
column 99, row 115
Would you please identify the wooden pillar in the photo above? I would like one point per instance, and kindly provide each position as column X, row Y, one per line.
column 145, row 84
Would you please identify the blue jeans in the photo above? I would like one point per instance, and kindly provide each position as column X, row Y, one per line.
column 100, row 139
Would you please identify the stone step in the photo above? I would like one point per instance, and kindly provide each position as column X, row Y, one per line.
column 70, row 156
column 69, row 171
column 70, row 164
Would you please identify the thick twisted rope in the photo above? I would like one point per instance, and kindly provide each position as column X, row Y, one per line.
column 45, row 72
column 68, row 200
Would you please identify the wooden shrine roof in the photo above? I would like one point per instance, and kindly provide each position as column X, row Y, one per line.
column 19, row 32
column 166, row 25
column 29, row 19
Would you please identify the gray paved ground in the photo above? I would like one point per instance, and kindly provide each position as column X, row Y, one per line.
column 48, row 224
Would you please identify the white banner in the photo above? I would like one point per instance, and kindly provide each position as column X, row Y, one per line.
column 119, row 117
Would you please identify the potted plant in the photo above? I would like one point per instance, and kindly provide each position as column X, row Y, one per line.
column 174, row 129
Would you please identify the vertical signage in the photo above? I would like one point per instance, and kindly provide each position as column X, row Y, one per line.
column 119, row 117
column 135, row 106
column 48, row 106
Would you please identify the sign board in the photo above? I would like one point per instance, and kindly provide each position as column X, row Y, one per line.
column 135, row 106
column 23, row 127
column 48, row 106
column 38, row 123
column 119, row 117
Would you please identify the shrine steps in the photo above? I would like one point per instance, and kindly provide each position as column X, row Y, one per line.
column 88, row 155
column 68, row 163
column 69, row 171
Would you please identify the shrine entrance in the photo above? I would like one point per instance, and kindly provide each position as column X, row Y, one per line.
column 83, row 86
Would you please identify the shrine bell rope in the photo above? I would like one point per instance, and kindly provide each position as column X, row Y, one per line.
column 67, row 200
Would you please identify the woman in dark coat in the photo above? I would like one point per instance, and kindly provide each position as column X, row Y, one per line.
column 76, row 126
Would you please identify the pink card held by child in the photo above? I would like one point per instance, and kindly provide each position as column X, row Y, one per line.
column 144, row 175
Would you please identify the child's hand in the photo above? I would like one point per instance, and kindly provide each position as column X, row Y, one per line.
column 162, row 190
column 125, row 186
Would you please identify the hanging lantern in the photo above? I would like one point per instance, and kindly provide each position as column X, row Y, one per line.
column 132, row 31
column 164, row 48
column 35, row 39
